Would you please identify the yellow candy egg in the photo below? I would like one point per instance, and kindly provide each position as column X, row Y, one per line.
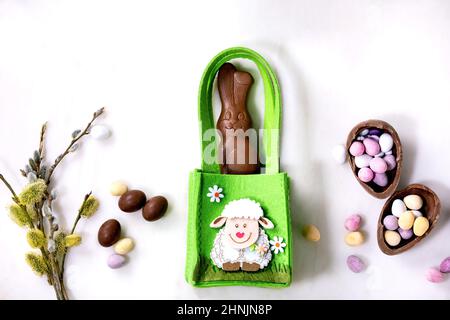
column 311, row 233
column 118, row 188
column 413, row 202
column 392, row 238
column 421, row 225
column 406, row 220
column 354, row 238
column 123, row 246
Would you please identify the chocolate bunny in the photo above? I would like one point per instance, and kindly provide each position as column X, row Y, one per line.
column 233, row 89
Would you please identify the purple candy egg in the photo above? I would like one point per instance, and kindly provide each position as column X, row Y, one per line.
column 355, row 264
column 365, row 175
column 381, row 179
column 377, row 138
column 434, row 275
column 378, row 165
column 372, row 146
column 375, row 132
column 357, row 149
column 405, row 234
column 445, row 265
column 353, row 222
column 390, row 222
column 390, row 161
column 115, row 261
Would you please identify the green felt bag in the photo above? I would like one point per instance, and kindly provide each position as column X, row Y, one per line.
column 270, row 190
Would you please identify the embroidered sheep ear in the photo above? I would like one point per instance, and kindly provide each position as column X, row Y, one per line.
column 265, row 223
column 218, row 222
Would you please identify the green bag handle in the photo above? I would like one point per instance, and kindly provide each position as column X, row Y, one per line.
column 272, row 113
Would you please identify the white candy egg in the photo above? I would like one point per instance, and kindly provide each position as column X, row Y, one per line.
column 363, row 161
column 386, row 142
column 398, row 207
column 339, row 153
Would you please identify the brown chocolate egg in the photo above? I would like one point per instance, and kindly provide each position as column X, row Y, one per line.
column 132, row 201
column 155, row 208
column 109, row 233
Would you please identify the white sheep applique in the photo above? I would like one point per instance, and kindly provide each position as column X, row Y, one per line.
column 241, row 244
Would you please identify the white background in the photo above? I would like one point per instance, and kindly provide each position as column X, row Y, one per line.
column 339, row 62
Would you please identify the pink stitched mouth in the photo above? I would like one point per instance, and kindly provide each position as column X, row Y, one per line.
column 240, row 234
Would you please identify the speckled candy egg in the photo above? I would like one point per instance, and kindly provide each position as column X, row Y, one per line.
column 118, row 188
column 392, row 238
column 355, row 264
column 445, row 265
column 434, row 275
column 405, row 234
column 390, row 222
column 353, row 223
column 398, row 207
column 413, row 202
column 381, row 179
column 378, row 165
column 364, row 132
column 365, row 175
column 339, row 153
column 354, row 238
column 386, row 142
column 375, row 132
column 363, row 161
column 372, row 146
column 406, row 220
column 116, row 261
column 357, row 148
column 417, row 213
column 390, row 161
column 421, row 225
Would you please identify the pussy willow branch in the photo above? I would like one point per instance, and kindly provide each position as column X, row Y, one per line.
column 16, row 199
column 75, row 223
column 74, row 140
column 42, row 141
column 30, row 221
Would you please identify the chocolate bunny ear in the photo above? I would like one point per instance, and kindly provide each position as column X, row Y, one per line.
column 242, row 83
column 225, row 84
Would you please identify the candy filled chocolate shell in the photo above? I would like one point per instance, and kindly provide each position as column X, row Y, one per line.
column 366, row 167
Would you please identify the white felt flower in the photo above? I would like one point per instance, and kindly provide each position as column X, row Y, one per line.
column 215, row 193
column 277, row 244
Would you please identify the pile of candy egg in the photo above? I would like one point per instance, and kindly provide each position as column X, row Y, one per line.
column 406, row 220
column 373, row 156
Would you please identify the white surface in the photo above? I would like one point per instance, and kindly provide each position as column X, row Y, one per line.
column 339, row 62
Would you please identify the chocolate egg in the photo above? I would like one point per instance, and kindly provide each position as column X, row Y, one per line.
column 155, row 208
column 109, row 233
column 132, row 201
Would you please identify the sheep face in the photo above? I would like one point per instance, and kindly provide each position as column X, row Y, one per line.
column 241, row 233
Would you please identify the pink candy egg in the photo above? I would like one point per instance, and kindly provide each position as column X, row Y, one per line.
column 357, row 149
column 365, row 175
column 372, row 146
column 390, row 161
column 378, row 165
column 353, row 222
column 434, row 275
column 381, row 179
